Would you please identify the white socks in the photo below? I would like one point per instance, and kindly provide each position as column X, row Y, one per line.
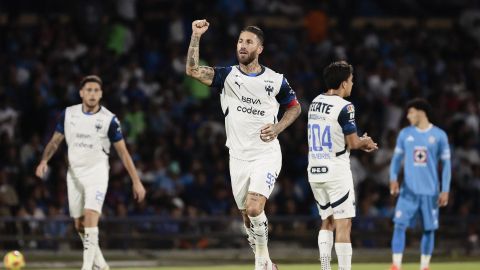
column 99, row 260
column 250, row 238
column 259, row 228
column 325, row 243
column 344, row 254
column 425, row 261
column 397, row 259
column 90, row 245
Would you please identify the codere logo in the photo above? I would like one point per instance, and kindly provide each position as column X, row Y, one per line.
column 318, row 170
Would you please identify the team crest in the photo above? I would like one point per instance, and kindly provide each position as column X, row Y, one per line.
column 269, row 89
column 420, row 156
column 98, row 125
column 431, row 140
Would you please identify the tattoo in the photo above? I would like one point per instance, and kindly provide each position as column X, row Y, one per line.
column 202, row 73
column 52, row 146
column 193, row 52
column 206, row 73
column 193, row 57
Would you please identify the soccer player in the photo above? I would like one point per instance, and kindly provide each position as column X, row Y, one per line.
column 89, row 129
column 332, row 133
column 250, row 98
column 420, row 146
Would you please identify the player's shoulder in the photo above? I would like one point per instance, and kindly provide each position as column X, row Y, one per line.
column 268, row 72
column 74, row 108
column 439, row 131
column 106, row 112
column 408, row 130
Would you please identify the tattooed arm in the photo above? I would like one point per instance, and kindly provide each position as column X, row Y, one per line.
column 50, row 149
column 202, row 73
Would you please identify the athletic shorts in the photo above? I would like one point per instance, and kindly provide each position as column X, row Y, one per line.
column 257, row 176
column 335, row 198
column 86, row 192
column 410, row 206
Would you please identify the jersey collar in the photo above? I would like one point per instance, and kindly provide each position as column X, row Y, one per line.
column 424, row 130
column 252, row 74
column 91, row 113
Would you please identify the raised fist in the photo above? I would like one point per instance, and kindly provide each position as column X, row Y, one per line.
column 199, row 27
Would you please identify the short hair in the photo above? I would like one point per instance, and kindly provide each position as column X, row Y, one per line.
column 255, row 30
column 336, row 73
column 420, row 104
column 91, row 78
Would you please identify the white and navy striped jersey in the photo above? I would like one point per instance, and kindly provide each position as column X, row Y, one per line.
column 250, row 101
column 88, row 137
column 330, row 119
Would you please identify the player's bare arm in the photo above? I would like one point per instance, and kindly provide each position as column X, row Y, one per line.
column 202, row 73
column 270, row 131
column 50, row 149
column 138, row 189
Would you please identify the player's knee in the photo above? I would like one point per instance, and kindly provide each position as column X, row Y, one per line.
column 79, row 227
column 254, row 210
column 328, row 224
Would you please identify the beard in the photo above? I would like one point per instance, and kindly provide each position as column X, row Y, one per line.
column 246, row 59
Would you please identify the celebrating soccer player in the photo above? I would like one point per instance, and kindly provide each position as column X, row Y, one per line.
column 89, row 129
column 421, row 146
column 332, row 133
column 250, row 98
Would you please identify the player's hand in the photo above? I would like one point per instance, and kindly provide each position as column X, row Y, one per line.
column 269, row 132
column 443, row 199
column 41, row 169
column 199, row 27
column 371, row 145
column 138, row 191
column 394, row 188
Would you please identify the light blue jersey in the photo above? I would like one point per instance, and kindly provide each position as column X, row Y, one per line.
column 421, row 151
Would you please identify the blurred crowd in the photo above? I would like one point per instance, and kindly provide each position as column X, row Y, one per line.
column 174, row 125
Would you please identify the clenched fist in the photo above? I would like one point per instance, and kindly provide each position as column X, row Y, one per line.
column 199, row 27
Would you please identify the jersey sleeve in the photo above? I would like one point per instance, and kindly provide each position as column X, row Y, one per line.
column 397, row 158
column 114, row 130
column 219, row 76
column 346, row 119
column 286, row 95
column 446, row 164
column 60, row 127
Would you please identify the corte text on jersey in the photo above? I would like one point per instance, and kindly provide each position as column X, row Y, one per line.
column 320, row 107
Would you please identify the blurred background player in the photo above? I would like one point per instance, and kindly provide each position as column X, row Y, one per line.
column 250, row 97
column 89, row 130
column 419, row 146
column 332, row 133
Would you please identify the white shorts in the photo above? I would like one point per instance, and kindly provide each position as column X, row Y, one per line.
column 335, row 198
column 86, row 192
column 257, row 176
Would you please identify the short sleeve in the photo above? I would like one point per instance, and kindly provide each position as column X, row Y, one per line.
column 220, row 75
column 60, row 127
column 114, row 130
column 286, row 95
column 346, row 119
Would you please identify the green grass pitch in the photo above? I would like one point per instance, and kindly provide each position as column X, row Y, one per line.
column 356, row 266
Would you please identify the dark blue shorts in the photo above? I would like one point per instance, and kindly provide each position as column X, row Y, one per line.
column 410, row 206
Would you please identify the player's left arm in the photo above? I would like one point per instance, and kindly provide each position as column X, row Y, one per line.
column 446, row 170
column 286, row 97
column 116, row 137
